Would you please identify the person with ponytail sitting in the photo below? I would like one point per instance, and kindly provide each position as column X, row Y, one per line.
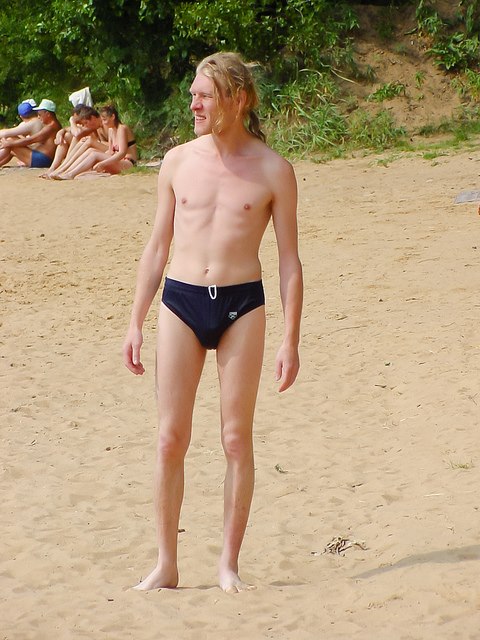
column 120, row 155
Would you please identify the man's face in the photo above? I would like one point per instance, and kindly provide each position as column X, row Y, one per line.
column 205, row 109
column 92, row 123
column 44, row 115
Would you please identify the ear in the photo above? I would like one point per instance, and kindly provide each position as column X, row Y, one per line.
column 241, row 101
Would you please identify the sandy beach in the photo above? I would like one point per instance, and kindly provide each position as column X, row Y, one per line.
column 378, row 441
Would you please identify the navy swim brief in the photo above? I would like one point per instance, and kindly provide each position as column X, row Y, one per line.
column 209, row 311
column 40, row 160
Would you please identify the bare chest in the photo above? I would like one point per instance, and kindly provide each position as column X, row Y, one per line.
column 213, row 190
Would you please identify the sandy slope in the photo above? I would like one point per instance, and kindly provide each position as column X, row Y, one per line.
column 378, row 439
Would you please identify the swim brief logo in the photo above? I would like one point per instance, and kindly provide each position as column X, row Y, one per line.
column 232, row 315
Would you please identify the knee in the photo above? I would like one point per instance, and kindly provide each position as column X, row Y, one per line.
column 237, row 445
column 172, row 444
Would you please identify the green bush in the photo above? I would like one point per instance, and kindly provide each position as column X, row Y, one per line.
column 377, row 131
column 457, row 51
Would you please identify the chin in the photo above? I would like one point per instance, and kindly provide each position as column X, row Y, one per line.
column 202, row 128
column 201, row 131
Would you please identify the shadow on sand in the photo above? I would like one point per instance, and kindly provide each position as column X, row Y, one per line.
column 460, row 554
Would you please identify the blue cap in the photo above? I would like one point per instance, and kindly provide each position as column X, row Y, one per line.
column 25, row 109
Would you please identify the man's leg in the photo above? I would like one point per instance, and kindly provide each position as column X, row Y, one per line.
column 180, row 359
column 74, row 151
column 58, row 158
column 85, row 162
column 5, row 156
column 24, row 154
column 239, row 361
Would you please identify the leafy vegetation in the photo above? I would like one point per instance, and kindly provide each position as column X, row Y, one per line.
column 387, row 92
column 141, row 54
column 453, row 45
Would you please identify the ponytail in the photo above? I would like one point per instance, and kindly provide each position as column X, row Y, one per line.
column 254, row 126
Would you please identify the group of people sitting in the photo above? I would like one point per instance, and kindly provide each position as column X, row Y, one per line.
column 94, row 141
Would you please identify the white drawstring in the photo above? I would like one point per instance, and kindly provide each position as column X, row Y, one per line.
column 212, row 291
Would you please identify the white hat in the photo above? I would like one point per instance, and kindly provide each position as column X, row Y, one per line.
column 30, row 101
column 82, row 96
column 46, row 105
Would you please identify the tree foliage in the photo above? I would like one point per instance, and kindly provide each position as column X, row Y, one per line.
column 135, row 52
column 141, row 54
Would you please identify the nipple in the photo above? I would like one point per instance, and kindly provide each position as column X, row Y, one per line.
column 247, row 206
column 184, row 201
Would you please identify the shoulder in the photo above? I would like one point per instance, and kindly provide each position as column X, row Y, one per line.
column 180, row 153
column 52, row 127
column 24, row 128
column 278, row 171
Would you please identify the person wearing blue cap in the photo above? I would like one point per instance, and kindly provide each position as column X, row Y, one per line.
column 29, row 126
column 38, row 149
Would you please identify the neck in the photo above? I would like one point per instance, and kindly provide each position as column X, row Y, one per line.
column 232, row 140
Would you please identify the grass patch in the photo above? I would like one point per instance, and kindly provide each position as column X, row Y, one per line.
column 142, row 169
column 308, row 118
column 387, row 91
column 432, row 155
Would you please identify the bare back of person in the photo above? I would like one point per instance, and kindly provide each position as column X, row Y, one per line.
column 27, row 128
column 35, row 126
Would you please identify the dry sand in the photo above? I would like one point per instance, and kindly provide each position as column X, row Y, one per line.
column 378, row 440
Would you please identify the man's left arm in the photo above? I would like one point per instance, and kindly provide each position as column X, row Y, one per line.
column 284, row 216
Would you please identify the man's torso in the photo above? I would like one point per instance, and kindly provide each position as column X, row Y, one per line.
column 222, row 209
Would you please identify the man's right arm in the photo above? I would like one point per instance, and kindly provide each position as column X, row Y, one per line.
column 152, row 264
column 48, row 131
column 23, row 129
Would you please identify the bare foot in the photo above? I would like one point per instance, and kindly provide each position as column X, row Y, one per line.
column 62, row 176
column 230, row 582
column 159, row 579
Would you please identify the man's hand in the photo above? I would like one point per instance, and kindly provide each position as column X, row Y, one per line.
column 131, row 351
column 60, row 137
column 287, row 365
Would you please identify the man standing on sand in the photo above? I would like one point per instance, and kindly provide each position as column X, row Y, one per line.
column 216, row 195
column 38, row 149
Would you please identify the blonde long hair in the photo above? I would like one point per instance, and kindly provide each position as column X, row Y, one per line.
column 230, row 75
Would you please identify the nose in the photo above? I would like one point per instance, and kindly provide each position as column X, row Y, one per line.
column 195, row 104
